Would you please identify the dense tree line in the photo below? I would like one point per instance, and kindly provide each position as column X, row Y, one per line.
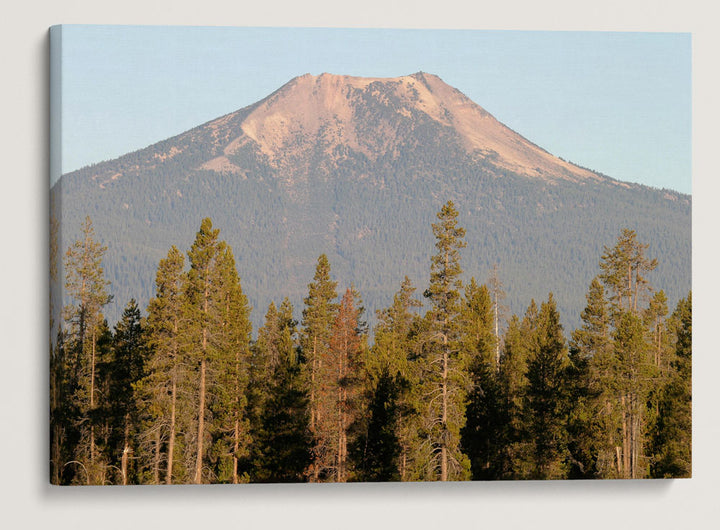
column 185, row 395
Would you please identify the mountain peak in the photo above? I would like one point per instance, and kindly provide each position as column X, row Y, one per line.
column 371, row 116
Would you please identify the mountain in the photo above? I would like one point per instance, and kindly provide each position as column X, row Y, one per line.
column 357, row 168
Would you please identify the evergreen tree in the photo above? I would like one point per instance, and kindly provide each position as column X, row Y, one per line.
column 167, row 372
column 482, row 434
column 546, row 406
column 660, row 354
column 634, row 378
column 377, row 449
column 391, row 351
column 215, row 343
column 318, row 317
column 595, row 416
column 57, row 358
column 86, row 285
column 513, row 384
column 497, row 294
column 623, row 271
column 282, row 442
column 477, row 323
column 672, row 443
column 391, row 376
column 60, row 411
column 344, row 376
column 658, row 336
column 121, row 375
column 265, row 356
column 230, row 426
column 445, row 382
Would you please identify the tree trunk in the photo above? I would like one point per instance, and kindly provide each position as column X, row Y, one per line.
column 156, row 463
column 443, row 443
column 236, row 448
column 92, row 403
column 126, row 451
column 201, row 425
column 314, row 409
column 201, row 405
column 313, row 404
column 497, row 336
column 171, row 441
column 236, row 433
column 629, row 288
column 403, row 467
column 625, row 438
column 173, row 401
column 56, row 455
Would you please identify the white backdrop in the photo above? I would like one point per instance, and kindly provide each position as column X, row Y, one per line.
column 26, row 499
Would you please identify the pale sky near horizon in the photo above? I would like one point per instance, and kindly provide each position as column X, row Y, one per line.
column 617, row 103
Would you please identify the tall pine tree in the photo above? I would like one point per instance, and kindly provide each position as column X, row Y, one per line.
column 167, row 372
column 318, row 317
column 86, row 285
column 230, row 426
column 482, row 434
column 672, row 442
column 122, row 374
column 282, row 442
column 546, row 400
column 390, row 439
column 345, row 376
column 595, row 416
column 445, row 382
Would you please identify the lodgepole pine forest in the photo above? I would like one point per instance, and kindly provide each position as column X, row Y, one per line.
column 447, row 387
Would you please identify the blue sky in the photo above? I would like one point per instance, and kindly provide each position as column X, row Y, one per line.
column 618, row 103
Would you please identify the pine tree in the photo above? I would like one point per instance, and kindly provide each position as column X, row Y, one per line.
column 204, row 319
column 660, row 353
column 546, row 406
column 672, row 442
column 623, row 271
column 282, row 443
column 392, row 379
column 265, row 356
column 595, row 417
column 318, row 317
column 482, row 434
column 121, row 375
column 391, row 351
column 445, row 382
column 57, row 359
column 477, row 324
column 60, row 411
column 497, row 294
column 230, row 426
column 513, row 382
column 85, row 283
column 345, row 375
column 167, row 372
column 377, row 450
column 658, row 336
column 633, row 374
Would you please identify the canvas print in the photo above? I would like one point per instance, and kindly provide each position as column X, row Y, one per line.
column 368, row 255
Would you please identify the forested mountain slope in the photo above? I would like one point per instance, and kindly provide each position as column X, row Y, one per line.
column 356, row 168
